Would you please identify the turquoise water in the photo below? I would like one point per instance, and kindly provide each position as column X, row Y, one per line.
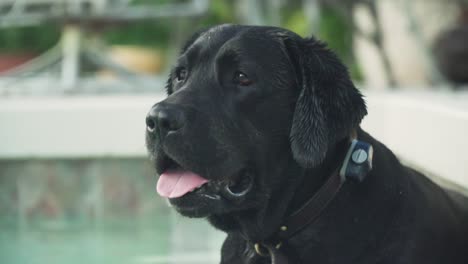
column 169, row 239
column 80, row 246
column 65, row 243
column 94, row 212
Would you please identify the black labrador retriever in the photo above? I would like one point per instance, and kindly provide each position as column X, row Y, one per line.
column 254, row 135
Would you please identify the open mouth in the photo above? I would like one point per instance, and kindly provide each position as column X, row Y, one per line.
column 176, row 181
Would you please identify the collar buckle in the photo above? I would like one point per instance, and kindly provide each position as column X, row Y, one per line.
column 263, row 251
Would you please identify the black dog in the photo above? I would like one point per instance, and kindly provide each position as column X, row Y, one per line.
column 257, row 123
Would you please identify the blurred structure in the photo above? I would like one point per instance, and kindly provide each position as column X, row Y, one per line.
column 451, row 49
column 407, row 32
column 80, row 46
column 384, row 43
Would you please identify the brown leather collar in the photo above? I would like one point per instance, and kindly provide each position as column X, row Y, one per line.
column 297, row 221
column 303, row 217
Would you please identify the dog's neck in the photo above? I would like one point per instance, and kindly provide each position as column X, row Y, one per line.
column 340, row 218
column 313, row 179
column 357, row 207
column 259, row 225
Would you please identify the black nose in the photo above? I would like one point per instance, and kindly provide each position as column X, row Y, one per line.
column 164, row 118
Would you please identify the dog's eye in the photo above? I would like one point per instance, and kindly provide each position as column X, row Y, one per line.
column 181, row 74
column 242, row 79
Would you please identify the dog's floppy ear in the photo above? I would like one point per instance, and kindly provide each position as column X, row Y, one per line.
column 328, row 107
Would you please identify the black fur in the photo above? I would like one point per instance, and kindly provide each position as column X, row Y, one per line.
column 289, row 127
column 329, row 107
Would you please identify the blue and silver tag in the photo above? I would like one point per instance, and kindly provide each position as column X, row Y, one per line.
column 358, row 161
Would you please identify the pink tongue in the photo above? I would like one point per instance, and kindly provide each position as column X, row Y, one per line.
column 173, row 184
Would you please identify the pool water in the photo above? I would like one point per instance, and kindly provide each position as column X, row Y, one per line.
column 170, row 239
column 94, row 211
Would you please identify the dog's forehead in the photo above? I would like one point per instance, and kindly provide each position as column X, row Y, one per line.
column 214, row 38
column 217, row 34
column 247, row 38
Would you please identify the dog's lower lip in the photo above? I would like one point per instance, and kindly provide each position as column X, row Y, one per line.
column 212, row 197
column 187, row 208
column 200, row 191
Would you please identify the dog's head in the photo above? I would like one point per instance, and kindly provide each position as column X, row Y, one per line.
column 244, row 103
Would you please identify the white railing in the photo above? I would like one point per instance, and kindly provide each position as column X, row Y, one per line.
column 32, row 12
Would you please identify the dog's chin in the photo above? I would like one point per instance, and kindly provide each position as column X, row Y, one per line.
column 196, row 205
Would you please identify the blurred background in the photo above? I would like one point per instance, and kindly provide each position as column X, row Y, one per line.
column 78, row 76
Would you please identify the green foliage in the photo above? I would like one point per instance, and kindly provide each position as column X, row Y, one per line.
column 158, row 33
column 337, row 32
column 31, row 39
column 297, row 22
column 334, row 30
column 220, row 12
column 153, row 34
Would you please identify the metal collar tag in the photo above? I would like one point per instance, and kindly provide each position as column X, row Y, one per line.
column 358, row 161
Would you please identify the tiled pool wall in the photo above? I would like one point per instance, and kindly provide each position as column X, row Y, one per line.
column 92, row 211
column 82, row 192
